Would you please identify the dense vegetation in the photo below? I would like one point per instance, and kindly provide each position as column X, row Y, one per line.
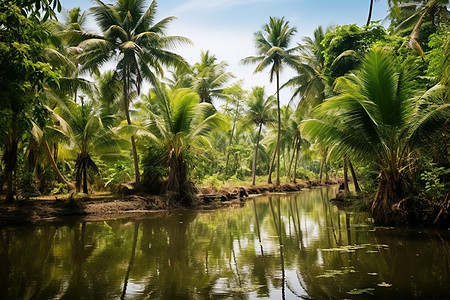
column 370, row 99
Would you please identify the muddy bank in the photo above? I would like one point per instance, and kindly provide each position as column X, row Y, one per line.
column 106, row 206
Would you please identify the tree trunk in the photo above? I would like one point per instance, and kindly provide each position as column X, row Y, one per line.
column 272, row 162
column 255, row 156
column 277, row 182
column 296, row 151
column 233, row 129
column 127, row 115
column 346, row 190
column 10, row 163
column 322, row 161
column 85, row 182
column 293, row 155
column 355, row 179
column 370, row 13
column 50, row 157
column 387, row 207
column 9, row 186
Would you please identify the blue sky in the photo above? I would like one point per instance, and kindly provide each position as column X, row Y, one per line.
column 226, row 27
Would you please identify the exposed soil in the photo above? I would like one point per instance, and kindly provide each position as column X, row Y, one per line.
column 101, row 206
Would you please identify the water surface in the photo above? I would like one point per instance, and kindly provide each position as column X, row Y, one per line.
column 296, row 246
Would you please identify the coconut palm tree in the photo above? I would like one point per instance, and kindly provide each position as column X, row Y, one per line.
column 414, row 13
column 309, row 84
column 272, row 45
column 209, row 77
column 261, row 111
column 179, row 122
column 136, row 43
column 376, row 118
column 89, row 138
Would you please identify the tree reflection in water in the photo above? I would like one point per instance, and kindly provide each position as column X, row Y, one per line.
column 294, row 246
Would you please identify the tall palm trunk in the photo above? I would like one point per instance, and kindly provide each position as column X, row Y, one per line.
column 272, row 162
column 231, row 137
column 370, row 13
column 293, row 155
column 255, row 157
column 296, row 151
column 277, row 183
column 346, row 189
column 127, row 115
column 322, row 162
column 355, row 179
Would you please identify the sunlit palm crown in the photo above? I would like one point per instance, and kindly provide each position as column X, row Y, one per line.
column 261, row 109
column 131, row 36
column 178, row 120
column 271, row 44
column 210, row 77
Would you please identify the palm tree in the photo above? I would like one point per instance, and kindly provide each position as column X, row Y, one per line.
column 234, row 98
column 414, row 14
column 89, row 138
column 309, row 84
column 376, row 118
column 210, row 77
column 272, row 45
column 138, row 45
column 179, row 122
column 260, row 112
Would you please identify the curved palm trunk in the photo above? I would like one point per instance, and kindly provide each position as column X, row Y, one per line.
column 277, row 182
column 51, row 159
column 370, row 13
column 255, row 157
column 127, row 115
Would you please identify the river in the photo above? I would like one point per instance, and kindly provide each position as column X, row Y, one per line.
column 273, row 247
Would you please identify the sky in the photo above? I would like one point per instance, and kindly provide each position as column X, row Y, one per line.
column 226, row 27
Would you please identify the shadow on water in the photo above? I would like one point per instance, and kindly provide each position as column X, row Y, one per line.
column 277, row 247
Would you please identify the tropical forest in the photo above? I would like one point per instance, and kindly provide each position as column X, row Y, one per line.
column 128, row 171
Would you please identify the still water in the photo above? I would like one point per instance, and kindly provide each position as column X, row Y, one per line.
column 277, row 247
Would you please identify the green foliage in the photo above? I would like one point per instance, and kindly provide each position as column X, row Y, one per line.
column 434, row 56
column 154, row 167
column 212, row 181
column 120, row 172
column 345, row 46
column 378, row 120
column 306, row 174
column 59, row 188
column 27, row 187
column 436, row 181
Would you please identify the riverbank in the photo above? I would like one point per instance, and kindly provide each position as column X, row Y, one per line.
column 105, row 205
